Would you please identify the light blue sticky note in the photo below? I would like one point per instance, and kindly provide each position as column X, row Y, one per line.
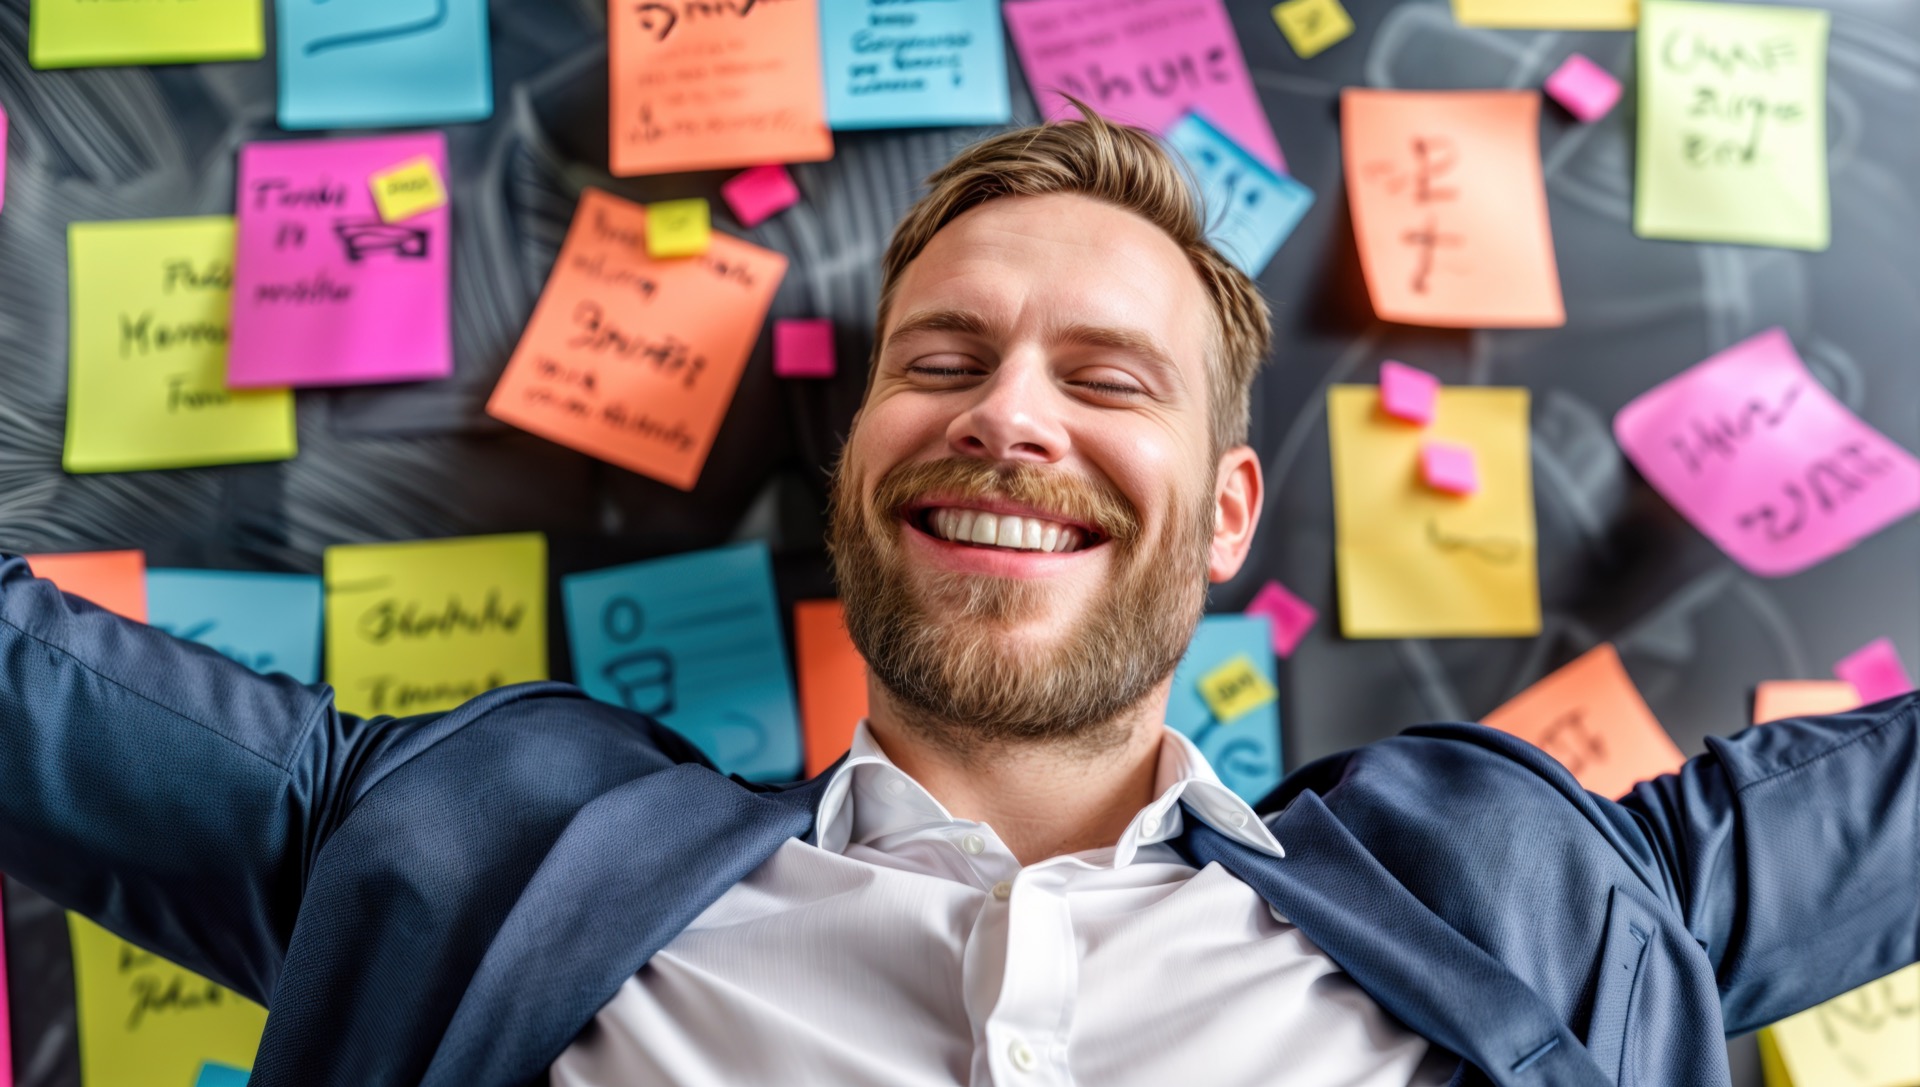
column 220, row 1075
column 377, row 63
column 693, row 640
column 896, row 65
column 1250, row 208
column 1245, row 752
column 268, row 622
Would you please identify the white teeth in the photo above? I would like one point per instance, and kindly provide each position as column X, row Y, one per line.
column 1003, row 530
column 1035, row 529
column 962, row 526
column 986, row 528
column 1050, row 538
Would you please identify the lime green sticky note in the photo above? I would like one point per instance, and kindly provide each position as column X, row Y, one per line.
column 147, row 345
column 1733, row 124
column 1869, row 1037
column 87, row 33
column 678, row 228
column 425, row 625
column 1312, row 26
column 408, row 189
column 1235, row 689
column 145, row 1022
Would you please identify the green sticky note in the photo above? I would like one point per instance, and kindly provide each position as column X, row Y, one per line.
column 145, row 1022
column 1733, row 124
column 86, row 33
column 147, row 342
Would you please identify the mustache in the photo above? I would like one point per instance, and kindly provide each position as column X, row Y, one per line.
column 1095, row 503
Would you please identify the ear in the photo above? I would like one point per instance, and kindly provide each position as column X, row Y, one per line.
column 1237, row 493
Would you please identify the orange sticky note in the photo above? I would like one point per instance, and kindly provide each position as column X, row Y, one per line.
column 1449, row 208
column 1777, row 699
column 115, row 580
column 1590, row 716
column 631, row 359
column 833, row 681
column 707, row 86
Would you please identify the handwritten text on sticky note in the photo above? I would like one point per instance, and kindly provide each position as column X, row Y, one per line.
column 268, row 622
column 143, row 1020
column 1234, row 688
column 1244, row 751
column 376, row 65
column 1589, row 715
column 1250, row 208
column 894, row 65
column 408, row 189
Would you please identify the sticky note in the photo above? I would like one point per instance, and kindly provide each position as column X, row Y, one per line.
column 213, row 1074
column 1449, row 208
column 147, row 382
column 677, row 228
column 1869, row 1037
column 760, row 192
column 1449, row 467
column 380, row 65
column 1413, row 562
column 894, row 65
column 144, row 1022
column 803, row 347
column 114, row 580
column 1549, row 14
column 1587, row 90
column 634, row 360
column 1290, row 616
column 1777, row 699
column 1733, row 124
column 268, row 622
column 714, row 86
column 1407, row 392
column 1874, row 671
column 832, row 676
column 326, row 291
column 1234, row 688
column 1250, row 208
column 1312, row 26
column 408, row 189
column 1142, row 62
column 87, row 33
column 428, row 624
column 1764, row 461
column 693, row 640
column 1245, row 751
column 1589, row 715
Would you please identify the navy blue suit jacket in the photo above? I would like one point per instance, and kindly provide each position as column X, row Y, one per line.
column 448, row 899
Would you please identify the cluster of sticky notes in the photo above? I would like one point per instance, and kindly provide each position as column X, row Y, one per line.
column 1874, row 671
column 366, row 65
column 1733, row 111
column 1289, row 616
column 758, row 194
column 1549, row 14
column 1590, row 716
column 889, row 64
column 678, row 228
column 425, row 625
column 1224, row 699
column 632, row 359
column 1251, row 208
column 1583, row 88
column 1313, row 26
column 77, row 33
column 692, row 640
column 803, row 347
column 832, row 677
column 1764, row 460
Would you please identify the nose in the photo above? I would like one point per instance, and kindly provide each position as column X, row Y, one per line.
column 1015, row 415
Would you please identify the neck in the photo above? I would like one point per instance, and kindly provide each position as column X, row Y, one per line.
column 1043, row 799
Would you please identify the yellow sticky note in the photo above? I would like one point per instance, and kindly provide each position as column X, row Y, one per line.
column 145, row 1022
column 147, row 383
column 678, row 228
column 1414, row 562
column 1869, row 1037
column 1733, row 124
column 87, row 33
column 408, row 189
column 1311, row 26
column 1236, row 688
column 425, row 625
column 1549, row 14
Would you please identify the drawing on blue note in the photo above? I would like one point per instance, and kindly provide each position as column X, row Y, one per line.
column 377, row 63
column 1245, row 752
column 268, row 622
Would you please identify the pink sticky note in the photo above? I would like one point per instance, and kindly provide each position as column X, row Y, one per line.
column 757, row 193
column 1448, row 467
column 324, row 291
column 803, row 348
column 1407, row 392
column 1875, row 671
column 1290, row 616
column 1586, row 89
column 1143, row 62
column 1764, row 460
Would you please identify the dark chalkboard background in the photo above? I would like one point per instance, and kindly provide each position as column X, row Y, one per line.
column 405, row 462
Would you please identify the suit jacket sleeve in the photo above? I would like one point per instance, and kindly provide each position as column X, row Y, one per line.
column 1794, row 854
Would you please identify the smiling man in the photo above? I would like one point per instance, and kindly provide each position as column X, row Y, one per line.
column 1019, row 874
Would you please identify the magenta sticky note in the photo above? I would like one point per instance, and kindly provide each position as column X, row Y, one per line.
column 757, row 193
column 803, row 348
column 1586, row 89
column 1290, row 616
column 1143, row 62
column 324, row 291
column 1407, row 392
column 1449, row 467
column 1875, row 671
column 1764, row 461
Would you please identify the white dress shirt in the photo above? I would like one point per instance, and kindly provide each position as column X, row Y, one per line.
column 902, row 947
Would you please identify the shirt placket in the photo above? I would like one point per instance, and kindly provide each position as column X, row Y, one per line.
column 1026, row 1034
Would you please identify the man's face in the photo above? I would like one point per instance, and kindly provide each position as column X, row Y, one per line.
column 1028, row 510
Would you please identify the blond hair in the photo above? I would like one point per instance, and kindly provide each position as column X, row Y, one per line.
column 1124, row 167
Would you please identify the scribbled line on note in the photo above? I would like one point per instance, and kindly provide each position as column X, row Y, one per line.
column 1498, row 550
column 388, row 33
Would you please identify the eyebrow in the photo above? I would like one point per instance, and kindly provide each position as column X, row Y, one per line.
column 1129, row 341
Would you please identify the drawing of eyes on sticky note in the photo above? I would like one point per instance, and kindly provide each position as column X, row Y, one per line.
column 376, row 63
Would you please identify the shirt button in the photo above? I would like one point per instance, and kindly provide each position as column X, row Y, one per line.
column 1003, row 890
column 974, row 845
column 1150, row 825
column 1022, row 1056
column 895, row 787
column 1237, row 819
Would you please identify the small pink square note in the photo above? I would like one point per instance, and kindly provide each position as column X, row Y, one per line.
column 803, row 348
column 760, row 192
column 1448, row 467
column 1407, row 392
column 1875, row 671
column 1291, row 616
column 1586, row 89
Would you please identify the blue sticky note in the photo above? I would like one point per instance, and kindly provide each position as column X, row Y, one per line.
column 693, row 640
column 1245, row 752
column 893, row 65
column 1250, row 208
column 377, row 63
column 268, row 622
column 220, row 1075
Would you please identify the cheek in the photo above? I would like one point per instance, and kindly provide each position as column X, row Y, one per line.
column 1150, row 466
column 893, row 429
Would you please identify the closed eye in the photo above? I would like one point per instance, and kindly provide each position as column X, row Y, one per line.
column 1107, row 388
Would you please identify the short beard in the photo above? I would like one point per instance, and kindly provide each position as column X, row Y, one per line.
column 937, row 646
